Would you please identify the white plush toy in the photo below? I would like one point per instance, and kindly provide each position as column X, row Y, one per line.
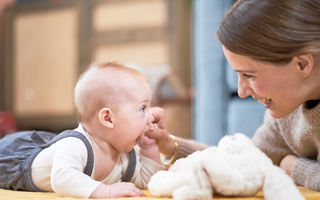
column 235, row 168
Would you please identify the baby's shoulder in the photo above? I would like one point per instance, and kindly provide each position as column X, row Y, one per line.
column 69, row 146
column 70, row 141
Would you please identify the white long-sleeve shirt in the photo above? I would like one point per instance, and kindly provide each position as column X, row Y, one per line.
column 59, row 168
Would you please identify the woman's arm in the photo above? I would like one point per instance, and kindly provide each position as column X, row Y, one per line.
column 287, row 163
column 305, row 172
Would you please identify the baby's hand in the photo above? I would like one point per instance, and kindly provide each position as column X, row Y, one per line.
column 125, row 189
column 116, row 190
column 148, row 146
column 145, row 142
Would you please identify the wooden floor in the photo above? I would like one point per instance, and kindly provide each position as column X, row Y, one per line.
column 21, row 195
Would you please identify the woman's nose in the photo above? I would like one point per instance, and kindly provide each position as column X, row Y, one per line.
column 244, row 88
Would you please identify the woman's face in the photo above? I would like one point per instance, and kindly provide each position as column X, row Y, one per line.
column 277, row 87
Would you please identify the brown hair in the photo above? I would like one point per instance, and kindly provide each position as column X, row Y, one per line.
column 91, row 95
column 273, row 31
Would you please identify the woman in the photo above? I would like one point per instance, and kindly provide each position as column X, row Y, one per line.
column 274, row 46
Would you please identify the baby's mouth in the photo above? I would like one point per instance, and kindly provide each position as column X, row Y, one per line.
column 265, row 100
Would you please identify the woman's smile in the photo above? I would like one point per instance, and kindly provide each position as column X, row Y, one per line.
column 265, row 100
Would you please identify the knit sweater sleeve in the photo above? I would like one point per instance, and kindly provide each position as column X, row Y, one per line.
column 270, row 141
column 306, row 173
column 187, row 147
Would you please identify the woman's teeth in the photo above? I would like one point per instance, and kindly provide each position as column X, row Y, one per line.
column 265, row 100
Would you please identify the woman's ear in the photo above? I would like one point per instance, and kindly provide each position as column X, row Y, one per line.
column 306, row 62
column 106, row 117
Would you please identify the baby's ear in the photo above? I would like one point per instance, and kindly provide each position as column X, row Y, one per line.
column 106, row 117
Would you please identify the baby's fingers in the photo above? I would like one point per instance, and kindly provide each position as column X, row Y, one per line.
column 124, row 189
column 153, row 126
column 133, row 193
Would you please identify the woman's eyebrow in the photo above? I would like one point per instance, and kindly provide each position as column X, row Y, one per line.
column 245, row 71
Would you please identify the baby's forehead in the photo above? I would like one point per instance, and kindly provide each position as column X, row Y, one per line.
column 116, row 73
column 118, row 78
column 116, row 81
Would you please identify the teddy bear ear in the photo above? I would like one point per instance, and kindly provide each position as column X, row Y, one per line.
column 278, row 185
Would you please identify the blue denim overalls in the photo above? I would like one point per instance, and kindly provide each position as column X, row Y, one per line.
column 18, row 150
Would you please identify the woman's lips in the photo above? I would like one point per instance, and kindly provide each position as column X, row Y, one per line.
column 266, row 102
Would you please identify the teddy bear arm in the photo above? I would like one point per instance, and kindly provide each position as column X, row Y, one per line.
column 200, row 187
column 224, row 179
column 163, row 183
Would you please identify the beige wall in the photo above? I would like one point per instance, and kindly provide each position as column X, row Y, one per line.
column 45, row 63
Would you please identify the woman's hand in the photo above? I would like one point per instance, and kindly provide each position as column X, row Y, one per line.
column 166, row 144
column 287, row 163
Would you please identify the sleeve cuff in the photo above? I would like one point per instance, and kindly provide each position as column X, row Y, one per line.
column 306, row 173
column 187, row 147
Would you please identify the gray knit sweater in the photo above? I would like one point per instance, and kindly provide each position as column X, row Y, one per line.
column 187, row 147
column 297, row 134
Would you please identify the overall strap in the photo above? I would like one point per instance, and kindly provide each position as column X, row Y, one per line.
column 68, row 133
column 131, row 167
column 37, row 138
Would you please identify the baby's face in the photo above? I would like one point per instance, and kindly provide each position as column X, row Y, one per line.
column 132, row 116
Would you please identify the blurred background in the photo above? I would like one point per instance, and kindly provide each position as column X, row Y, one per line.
column 46, row 44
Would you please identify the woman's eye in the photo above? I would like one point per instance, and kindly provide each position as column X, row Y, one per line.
column 247, row 76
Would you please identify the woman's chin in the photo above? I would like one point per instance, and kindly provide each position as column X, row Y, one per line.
column 278, row 114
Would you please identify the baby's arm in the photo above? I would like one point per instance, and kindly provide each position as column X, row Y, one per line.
column 148, row 162
column 148, row 146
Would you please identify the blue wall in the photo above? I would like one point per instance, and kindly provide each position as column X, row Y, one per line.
column 218, row 110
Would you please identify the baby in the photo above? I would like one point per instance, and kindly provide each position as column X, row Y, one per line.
column 95, row 159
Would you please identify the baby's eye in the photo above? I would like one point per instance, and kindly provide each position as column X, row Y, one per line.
column 143, row 108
